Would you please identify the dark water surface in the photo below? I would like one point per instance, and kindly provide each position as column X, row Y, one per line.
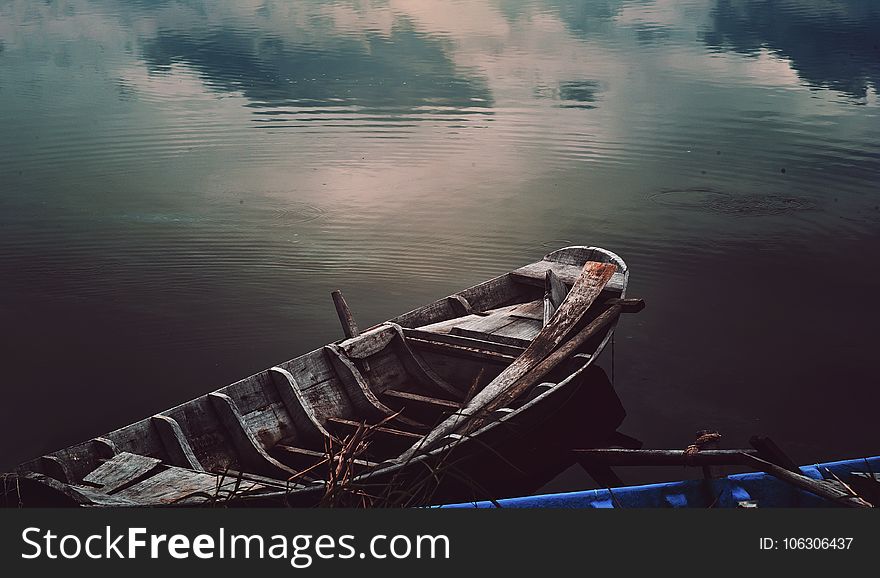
column 183, row 182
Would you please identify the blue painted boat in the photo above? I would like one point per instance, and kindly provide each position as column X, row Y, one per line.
column 738, row 490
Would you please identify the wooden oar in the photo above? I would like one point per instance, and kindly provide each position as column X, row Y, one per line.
column 820, row 488
column 349, row 327
column 583, row 293
column 624, row 457
column 614, row 308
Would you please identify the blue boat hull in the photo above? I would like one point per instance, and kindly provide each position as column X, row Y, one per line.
column 729, row 492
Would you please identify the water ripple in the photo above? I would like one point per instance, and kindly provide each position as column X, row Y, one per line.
column 726, row 203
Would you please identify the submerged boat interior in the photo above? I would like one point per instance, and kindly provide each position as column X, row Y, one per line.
column 278, row 428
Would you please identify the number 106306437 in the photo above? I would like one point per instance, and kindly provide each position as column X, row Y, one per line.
column 806, row 543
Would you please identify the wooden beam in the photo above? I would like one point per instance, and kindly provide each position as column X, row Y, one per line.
column 297, row 451
column 349, row 327
column 422, row 399
column 56, row 468
column 359, row 391
column 250, row 450
column 232, row 475
column 462, row 306
column 300, row 410
column 180, row 453
column 354, row 425
column 105, row 447
column 423, row 408
column 633, row 457
column 368, row 343
column 416, row 368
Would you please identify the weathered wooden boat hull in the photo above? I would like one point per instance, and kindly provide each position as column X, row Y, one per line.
column 262, row 439
column 738, row 490
column 516, row 455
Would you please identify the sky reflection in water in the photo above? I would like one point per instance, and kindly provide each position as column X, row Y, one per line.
column 183, row 183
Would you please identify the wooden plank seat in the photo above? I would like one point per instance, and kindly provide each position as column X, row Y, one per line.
column 120, row 471
column 536, row 273
column 463, row 346
column 512, row 325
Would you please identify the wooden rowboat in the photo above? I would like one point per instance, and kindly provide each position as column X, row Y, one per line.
column 372, row 419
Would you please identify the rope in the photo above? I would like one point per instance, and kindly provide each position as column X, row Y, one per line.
column 704, row 438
